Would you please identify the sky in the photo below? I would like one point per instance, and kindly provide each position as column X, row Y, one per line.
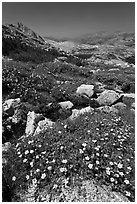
column 71, row 19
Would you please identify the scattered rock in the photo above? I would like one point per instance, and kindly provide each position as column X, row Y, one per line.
column 85, row 89
column 66, row 104
column 79, row 100
column 132, row 110
column 43, row 125
column 76, row 113
column 120, row 106
column 6, row 146
column 108, row 97
column 108, row 109
column 99, row 87
column 32, row 120
column 133, row 105
column 11, row 103
column 94, row 103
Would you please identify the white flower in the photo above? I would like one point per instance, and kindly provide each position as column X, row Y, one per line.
column 117, row 175
column 31, row 151
column 97, row 162
column 94, row 141
column 97, row 154
column 84, row 144
column 61, row 147
column 64, row 161
column 27, row 177
column 43, row 152
column 90, row 166
column 24, row 160
column 14, row 178
column 120, row 165
column 34, row 181
column 126, row 181
column 29, row 142
column 127, row 193
column 37, row 156
column 59, row 132
column 40, row 146
column 129, row 168
column 121, row 173
column 55, row 186
column 105, row 155
column 37, row 170
column 81, row 151
column 111, row 163
column 27, row 151
column 108, row 172
column 88, row 131
column 20, row 155
column 18, row 152
column 65, row 126
column 43, row 175
column 87, row 158
column 31, row 164
column 63, row 169
column 112, row 179
column 53, row 160
column 49, row 168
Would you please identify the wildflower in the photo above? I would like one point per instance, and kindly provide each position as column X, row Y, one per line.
column 65, row 126
column 105, row 155
column 53, row 160
column 94, row 141
column 87, row 158
column 108, row 172
column 31, row 151
column 34, row 181
column 120, row 165
column 64, row 161
column 43, row 175
column 49, row 168
column 126, row 181
column 63, row 169
column 31, row 164
column 61, row 147
column 37, row 170
column 17, row 144
column 90, row 166
column 112, row 179
column 97, row 154
column 29, row 142
column 43, row 152
column 59, row 132
column 111, row 163
column 88, row 131
column 24, row 160
column 121, row 173
column 14, row 178
column 27, row 177
column 81, row 151
column 84, row 144
column 129, row 168
column 40, row 146
column 27, row 151
column 128, row 193
column 97, row 162
column 18, row 152
column 117, row 175
column 37, row 156
column 20, row 155
column 55, row 186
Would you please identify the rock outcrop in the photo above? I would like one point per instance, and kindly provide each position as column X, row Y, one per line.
column 85, row 89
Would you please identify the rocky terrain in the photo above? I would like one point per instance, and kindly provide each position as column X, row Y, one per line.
column 68, row 118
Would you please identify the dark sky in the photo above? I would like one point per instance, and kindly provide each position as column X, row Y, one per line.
column 71, row 19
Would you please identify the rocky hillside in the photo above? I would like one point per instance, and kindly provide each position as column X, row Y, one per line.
column 68, row 129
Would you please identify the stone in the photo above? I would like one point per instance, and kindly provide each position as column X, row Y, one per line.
column 120, row 106
column 94, row 103
column 99, row 87
column 133, row 105
column 108, row 109
column 85, row 89
column 11, row 103
column 66, row 104
column 32, row 120
column 108, row 97
column 76, row 113
column 43, row 125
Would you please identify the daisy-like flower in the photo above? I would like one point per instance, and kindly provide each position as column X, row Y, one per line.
column 97, row 162
column 90, row 166
column 24, row 160
column 59, row 132
column 29, row 142
column 43, row 152
column 87, row 158
column 126, row 181
column 84, row 144
column 81, row 151
column 37, row 170
column 129, row 168
column 61, row 147
column 49, row 168
column 127, row 193
column 31, row 151
column 43, row 175
column 18, row 153
column 117, row 175
column 31, row 164
column 63, row 169
column 34, row 181
column 97, row 154
column 40, row 146
column 53, row 160
column 55, row 186
column 105, row 155
column 111, row 163
column 37, row 156
column 108, row 172
column 88, row 131
column 121, row 173
column 120, row 165
column 112, row 179
column 27, row 177
column 64, row 161
column 27, row 152
column 14, row 178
